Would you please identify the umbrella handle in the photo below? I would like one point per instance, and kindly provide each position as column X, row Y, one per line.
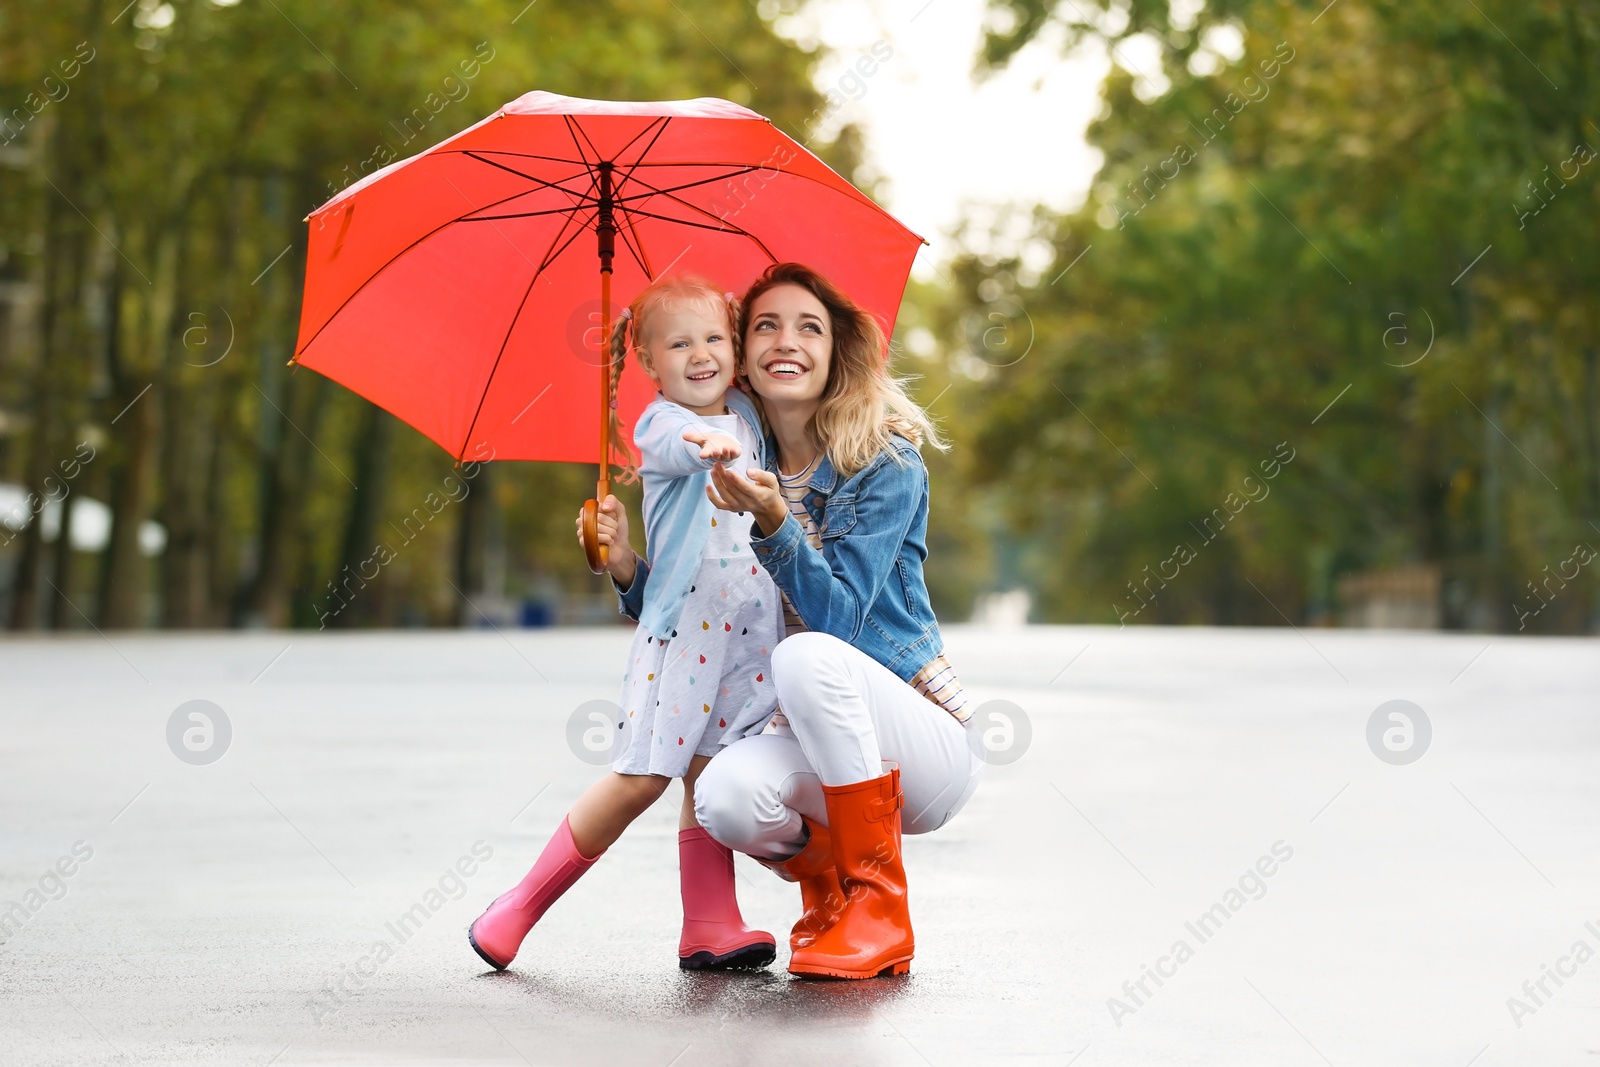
column 592, row 548
column 605, row 230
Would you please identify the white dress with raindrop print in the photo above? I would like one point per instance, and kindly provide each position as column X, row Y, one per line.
column 712, row 683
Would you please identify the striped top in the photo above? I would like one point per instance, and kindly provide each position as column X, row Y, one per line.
column 936, row 680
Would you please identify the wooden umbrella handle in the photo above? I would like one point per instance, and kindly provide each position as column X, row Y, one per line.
column 597, row 554
column 592, row 548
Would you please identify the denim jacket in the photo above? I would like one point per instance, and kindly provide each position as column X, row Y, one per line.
column 866, row 586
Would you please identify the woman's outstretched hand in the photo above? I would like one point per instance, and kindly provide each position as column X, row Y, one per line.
column 757, row 494
column 612, row 525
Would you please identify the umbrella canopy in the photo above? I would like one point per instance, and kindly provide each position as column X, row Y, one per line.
column 459, row 289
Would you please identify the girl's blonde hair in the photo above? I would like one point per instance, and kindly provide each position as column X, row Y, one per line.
column 628, row 334
column 862, row 404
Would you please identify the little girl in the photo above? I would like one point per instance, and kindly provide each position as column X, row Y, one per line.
column 699, row 673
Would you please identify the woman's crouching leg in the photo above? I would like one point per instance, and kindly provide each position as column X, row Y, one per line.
column 752, row 794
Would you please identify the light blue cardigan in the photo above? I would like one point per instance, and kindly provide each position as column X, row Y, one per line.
column 677, row 512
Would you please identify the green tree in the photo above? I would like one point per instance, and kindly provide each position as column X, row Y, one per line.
column 1265, row 235
column 157, row 208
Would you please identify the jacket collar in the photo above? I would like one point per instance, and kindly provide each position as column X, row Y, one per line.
column 824, row 477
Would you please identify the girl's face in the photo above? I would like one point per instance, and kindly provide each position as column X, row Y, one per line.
column 788, row 345
column 686, row 349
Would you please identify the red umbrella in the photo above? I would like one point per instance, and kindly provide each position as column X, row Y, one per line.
column 456, row 289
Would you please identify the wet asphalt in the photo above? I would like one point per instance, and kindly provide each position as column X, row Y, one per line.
column 1190, row 853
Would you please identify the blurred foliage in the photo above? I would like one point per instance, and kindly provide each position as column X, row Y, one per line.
column 1360, row 235
column 153, row 199
column 1369, row 240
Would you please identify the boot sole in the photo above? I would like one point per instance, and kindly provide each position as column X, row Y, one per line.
column 901, row 966
column 745, row 958
column 490, row 960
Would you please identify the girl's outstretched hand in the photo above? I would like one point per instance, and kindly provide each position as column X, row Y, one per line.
column 713, row 445
column 612, row 525
column 756, row 493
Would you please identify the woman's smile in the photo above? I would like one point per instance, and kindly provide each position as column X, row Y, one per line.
column 784, row 368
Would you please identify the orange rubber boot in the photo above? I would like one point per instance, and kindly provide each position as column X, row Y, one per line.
column 872, row 935
column 821, row 897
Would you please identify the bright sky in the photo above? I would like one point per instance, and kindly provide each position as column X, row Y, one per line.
column 949, row 147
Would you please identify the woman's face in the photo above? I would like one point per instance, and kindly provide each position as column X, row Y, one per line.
column 788, row 345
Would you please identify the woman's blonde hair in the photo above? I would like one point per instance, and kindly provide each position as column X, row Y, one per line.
column 629, row 332
column 862, row 404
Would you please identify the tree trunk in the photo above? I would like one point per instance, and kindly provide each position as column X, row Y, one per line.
column 286, row 474
column 63, row 261
column 183, row 564
column 366, row 502
column 221, row 564
column 134, row 443
column 122, row 585
column 471, row 542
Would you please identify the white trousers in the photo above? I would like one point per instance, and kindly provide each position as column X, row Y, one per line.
column 847, row 713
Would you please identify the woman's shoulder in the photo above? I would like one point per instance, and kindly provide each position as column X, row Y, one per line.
column 904, row 447
column 901, row 454
column 899, row 461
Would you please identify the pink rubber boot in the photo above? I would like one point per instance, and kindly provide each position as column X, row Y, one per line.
column 715, row 937
column 498, row 932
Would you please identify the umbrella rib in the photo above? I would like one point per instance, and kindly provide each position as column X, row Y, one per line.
column 662, row 121
column 849, row 191
column 579, row 162
column 636, row 252
column 687, row 163
column 645, row 151
column 581, row 197
column 527, row 214
column 573, row 129
column 550, row 257
column 489, row 383
column 687, row 185
column 643, row 214
column 635, row 246
column 391, row 261
column 724, row 227
column 507, row 152
column 858, row 196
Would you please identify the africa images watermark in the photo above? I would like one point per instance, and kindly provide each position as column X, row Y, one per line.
column 410, row 127
column 343, row 588
column 1582, row 156
column 52, row 885
column 1220, row 117
column 850, row 86
column 56, row 489
column 1566, row 967
column 453, row 882
column 1581, row 556
column 1185, row 553
column 55, row 90
column 1136, row 992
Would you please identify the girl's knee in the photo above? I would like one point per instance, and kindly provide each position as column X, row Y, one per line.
column 641, row 790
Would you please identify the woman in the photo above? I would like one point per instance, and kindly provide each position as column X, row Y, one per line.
column 870, row 741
